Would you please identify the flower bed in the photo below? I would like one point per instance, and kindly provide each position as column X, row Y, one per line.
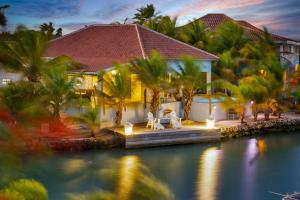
column 261, row 127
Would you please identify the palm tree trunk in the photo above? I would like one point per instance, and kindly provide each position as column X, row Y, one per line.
column 118, row 118
column 209, row 105
column 155, row 101
column 254, row 112
column 92, row 133
column 188, row 98
column 56, row 110
column 242, row 117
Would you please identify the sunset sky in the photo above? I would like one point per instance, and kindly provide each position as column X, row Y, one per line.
column 280, row 16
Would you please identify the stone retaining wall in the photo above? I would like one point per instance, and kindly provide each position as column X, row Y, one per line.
column 261, row 127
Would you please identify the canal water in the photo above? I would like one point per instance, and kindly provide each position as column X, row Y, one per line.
column 246, row 168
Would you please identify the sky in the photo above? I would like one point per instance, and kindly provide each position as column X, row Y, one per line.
column 279, row 16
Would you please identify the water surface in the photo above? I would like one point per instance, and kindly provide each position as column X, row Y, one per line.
column 244, row 168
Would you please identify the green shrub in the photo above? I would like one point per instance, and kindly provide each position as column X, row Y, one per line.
column 25, row 190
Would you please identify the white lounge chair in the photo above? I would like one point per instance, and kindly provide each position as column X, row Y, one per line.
column 158, row 125
column 151, row 120
column 175, row 121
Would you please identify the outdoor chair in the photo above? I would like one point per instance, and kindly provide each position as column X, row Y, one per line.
column 151, row 120
column 175, row 121
column 158, row 125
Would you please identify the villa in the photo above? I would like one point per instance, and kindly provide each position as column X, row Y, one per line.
column 98, row 47
column 287, row 49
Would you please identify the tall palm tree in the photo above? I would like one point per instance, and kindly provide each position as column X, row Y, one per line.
column 144, row 14
column 189, row 78
column 152, row 72
column 195, row 33
column 116, row 89
column 59, row 87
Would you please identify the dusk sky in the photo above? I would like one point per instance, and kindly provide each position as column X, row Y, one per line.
column 280, row 16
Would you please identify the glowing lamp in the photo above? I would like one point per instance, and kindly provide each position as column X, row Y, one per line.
column 210, row 123
column 114, row 72
column 128, row 128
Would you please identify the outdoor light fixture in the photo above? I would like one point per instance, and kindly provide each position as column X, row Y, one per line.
column 128, row 128
column 210, row 123
column 114, row 72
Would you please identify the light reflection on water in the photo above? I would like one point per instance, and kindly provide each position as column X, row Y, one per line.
column 129, row 169
column 208, row 174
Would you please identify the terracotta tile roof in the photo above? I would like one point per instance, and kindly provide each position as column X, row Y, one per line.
column 214, row 20
column 99, row 46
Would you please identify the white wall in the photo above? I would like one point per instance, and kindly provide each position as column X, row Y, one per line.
column 200, row 112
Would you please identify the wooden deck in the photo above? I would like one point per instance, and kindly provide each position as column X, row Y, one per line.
column 142, row 137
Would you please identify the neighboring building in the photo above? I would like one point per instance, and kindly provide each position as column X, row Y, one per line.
column 288, row 49
column 98, row 47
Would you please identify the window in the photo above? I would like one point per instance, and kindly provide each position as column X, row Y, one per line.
column 6, row 81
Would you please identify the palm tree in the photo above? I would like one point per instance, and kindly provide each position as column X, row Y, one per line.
column 3, row 18
column 239, row 101
column 195, row 33
column 90, row 117
column 152, row 72
column 22, row 100
column 47, row 30
column 144, row 14
column 189, row 78
column 228, row 36
column 116, row 89
column 24, row 54
column 164, row 25
column 59, row 87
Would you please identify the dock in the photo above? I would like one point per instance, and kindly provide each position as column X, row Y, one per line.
column 142, row 137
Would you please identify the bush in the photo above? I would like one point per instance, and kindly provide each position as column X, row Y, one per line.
column 24, row 190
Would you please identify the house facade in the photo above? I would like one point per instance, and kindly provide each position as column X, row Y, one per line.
column 99, row 47
column 287, row 48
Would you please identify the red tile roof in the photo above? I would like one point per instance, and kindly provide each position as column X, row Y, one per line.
column 214, row 20
column 99, row 46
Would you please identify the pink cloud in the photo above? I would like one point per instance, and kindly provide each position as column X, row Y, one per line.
column 195, row 6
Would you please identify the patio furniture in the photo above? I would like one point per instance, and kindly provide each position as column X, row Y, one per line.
column 175, row 121
column 151, row 120
column 164, row 116
column 158, row 125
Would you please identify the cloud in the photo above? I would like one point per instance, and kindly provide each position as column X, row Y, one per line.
column 113, row 12
column 44, row 9
column 202, row 6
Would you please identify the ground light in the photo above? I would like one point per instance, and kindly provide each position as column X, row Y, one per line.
column 210, row 123
column 128, row 128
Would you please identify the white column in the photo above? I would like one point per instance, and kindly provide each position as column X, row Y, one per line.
column 208, row 82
